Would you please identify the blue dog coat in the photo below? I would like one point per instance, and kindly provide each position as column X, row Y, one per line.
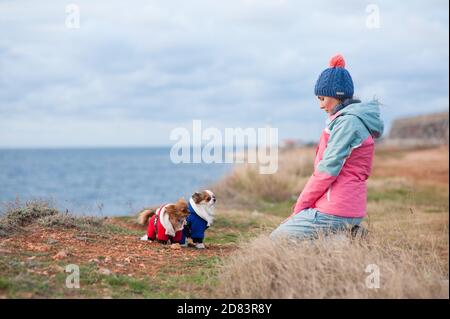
column 195, row 227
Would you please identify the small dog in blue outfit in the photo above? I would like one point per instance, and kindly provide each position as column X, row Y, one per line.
column 201, row 216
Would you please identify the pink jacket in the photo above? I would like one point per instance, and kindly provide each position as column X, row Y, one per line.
column 343, row 162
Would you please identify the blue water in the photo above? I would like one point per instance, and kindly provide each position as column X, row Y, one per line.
column 108, row 181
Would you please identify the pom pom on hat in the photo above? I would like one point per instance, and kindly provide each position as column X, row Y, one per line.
column 337, row 61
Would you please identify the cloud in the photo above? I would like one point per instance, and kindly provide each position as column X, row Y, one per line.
column 161, row 64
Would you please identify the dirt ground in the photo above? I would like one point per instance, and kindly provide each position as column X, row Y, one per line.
column 119, row 253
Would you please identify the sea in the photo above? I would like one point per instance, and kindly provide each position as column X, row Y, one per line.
column 101, row 181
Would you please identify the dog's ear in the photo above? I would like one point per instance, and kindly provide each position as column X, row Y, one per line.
column 197, row 197
column 182, row 207
column 171, row 209
column 181, row 202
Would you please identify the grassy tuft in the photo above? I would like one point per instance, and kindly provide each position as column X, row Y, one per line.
column 333, row 268
column 17, row 216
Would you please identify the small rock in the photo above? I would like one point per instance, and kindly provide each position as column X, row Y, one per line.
column 61, row 255
column 104, row 271
column 31, row 258
column 58, row 268
column 175, row 246
column 94, row 260
column 52, row 241
column 128, row 260
column 120, row 265
column 142, row 265
column 107, row 260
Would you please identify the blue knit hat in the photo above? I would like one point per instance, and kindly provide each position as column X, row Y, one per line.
column 335, row 81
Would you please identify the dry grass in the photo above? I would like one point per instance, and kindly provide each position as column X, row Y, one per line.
column 425, row 165
column 245, row 186
column 18, row 215
column 408, row 235
column 336, row 268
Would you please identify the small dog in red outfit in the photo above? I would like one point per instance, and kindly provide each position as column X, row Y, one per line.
column 166, row 223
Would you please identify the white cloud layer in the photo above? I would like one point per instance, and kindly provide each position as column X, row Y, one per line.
column 135, row 70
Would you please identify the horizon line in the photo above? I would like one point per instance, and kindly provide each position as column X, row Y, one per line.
column 78, row 147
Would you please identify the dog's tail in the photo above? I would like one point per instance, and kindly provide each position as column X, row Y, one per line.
column 145, row 215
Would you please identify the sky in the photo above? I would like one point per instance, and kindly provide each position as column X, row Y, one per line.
column 127, row 73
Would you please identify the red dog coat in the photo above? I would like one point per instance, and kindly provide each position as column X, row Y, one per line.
column 156, row 230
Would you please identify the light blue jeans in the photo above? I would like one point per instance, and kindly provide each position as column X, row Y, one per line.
column 308, row 223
